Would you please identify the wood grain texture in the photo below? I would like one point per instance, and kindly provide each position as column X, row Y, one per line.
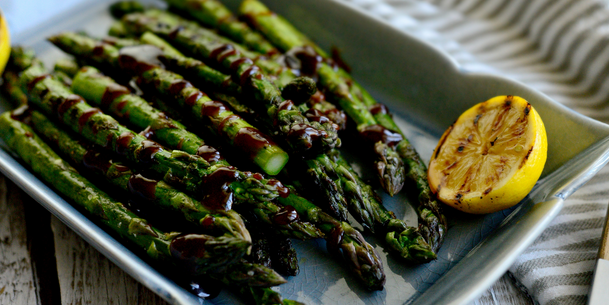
column 87, row 277
column 17, row 283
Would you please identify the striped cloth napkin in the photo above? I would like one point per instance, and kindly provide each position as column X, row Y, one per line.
column 560, row 47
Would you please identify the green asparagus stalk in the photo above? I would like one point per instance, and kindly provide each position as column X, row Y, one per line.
column 168, row 49
column 192, row 172
column 21, row 58
column 214, row 14
column 122, row 8
column 161, row 194
column 283, row 255
column 273, row 69
column 364, row 204
column 301, row 90
column 260, row 149
column 260, row 253
column 216, row 184
column 372, row 118
column 290, row 124
column 341, row 237
column 389, row 165
column 209, row 253
column 11, row 88
column 66, row 65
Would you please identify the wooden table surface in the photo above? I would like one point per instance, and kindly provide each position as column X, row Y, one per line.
column 42, row 261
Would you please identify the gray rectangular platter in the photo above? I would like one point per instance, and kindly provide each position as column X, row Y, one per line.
column 426, row 91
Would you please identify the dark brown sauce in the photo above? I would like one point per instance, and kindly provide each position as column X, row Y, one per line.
column 251, row 141
column 227, row 54
column 339, row 61
column 304, row 59
column 219, row 50
column 212, row 108
column 216, row 190
column 121, row 105
column 285, row 216
column 303, row 131
column 315, row 115
column 85, row 116
column 234, row 66
column 123, row 142
column 376, row 133
column 180, row 143
column 208, row 222
column 96, row 162
column 318, row 97
column 100, row 162
column 247, row 74
column 113, row 91
column 193, row 98
column 67, row 103
column 148, row 151
column 209, row 153
column 283, row 191
column 98, row 50
column 147, row 133
column 173, row 34
column 334, row 240
column 189, row 249
column 142, row 187
column 225, row 121
column 31, row 84
column 139, row 59
column 379, row 109
column 178, row 85
column 285, row 105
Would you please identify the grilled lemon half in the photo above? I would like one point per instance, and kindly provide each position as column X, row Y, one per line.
column 491, row 157
column 5, row 43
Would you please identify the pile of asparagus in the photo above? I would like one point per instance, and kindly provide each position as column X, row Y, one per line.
column 130, row 112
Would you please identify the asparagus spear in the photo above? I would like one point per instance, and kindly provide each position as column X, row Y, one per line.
column 214, row 14
column 11, row 88
column 372, row 118
column 287, row 38
column 272, row 250
column 341, row 237
column 21, row 58
column 197, row 253
column 179, row 167
column 213, row 221
column 294, row 128
column 217, row 185
column 242, row 135
column 122, row 8
column 66, row 65
column 320, row 168
column 273, row 69
column 283, row 255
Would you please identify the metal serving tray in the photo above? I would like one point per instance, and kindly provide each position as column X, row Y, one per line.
column 426, row 91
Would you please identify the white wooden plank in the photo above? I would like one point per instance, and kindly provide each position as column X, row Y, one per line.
column 87, row 277
column 17, row 285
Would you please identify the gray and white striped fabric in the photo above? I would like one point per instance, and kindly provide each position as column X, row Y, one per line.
column 560, row 47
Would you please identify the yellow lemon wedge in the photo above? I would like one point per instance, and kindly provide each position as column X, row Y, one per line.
column 5, row 42
column 491, row 157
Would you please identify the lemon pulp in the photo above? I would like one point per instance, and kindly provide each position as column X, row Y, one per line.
column 491, row 157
